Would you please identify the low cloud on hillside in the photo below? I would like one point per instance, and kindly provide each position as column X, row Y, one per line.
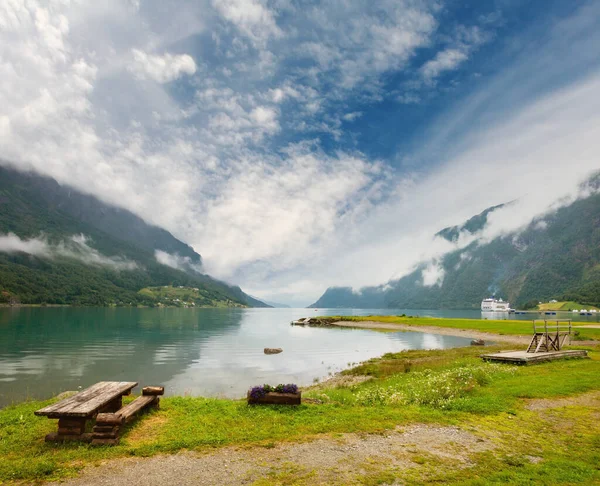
column 75, row 247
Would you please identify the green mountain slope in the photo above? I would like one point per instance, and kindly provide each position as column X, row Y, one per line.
column 558, row 257
column 110, row 266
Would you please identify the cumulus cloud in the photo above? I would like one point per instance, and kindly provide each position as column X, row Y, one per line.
column 75, row 247
column 162, row 69
column 251, row 160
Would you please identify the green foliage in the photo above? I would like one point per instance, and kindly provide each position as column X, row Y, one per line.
column 31, row 206
column 557, row 258
column 438, row 389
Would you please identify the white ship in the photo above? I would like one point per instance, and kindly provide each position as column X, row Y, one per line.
column 495, row 305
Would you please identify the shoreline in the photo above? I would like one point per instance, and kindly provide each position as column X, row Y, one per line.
column 515, row 339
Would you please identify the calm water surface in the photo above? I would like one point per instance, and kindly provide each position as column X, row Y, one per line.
column 209, row 352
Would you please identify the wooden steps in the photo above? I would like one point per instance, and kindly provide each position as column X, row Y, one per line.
column 108, row 425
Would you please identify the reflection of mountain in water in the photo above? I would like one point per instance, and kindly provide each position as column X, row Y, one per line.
column 46, row 351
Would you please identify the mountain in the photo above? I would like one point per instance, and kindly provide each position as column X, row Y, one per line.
column 473, row 225
column 59, row 246
column 557, row 257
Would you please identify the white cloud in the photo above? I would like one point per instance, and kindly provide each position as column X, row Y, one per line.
column 162, row 69
column 176, row 261
column 213, row 163
column 252, row 17
column 265, row 117
column 447, row 60
column 75, row 247
column 466, row 41
column 350, row 117
column 433, row 274
column 356, row 43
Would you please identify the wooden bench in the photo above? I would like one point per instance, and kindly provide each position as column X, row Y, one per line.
column 108, row 425
column 73, row 413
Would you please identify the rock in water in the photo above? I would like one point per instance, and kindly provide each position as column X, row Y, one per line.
column 273, row 350
column 477, row 342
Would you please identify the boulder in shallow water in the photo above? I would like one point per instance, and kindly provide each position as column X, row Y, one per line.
column 273, row 350
column 477, row 342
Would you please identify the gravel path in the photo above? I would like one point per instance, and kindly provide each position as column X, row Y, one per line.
column 342, row 459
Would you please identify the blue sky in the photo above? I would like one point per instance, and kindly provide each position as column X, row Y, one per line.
column 298, row 145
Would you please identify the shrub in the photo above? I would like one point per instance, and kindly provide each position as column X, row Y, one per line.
column 434, row 388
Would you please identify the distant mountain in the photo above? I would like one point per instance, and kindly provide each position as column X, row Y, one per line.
column 555, row 257
column 59, row 246
column 277, row 305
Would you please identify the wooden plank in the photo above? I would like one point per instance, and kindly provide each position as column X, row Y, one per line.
column 153, row 390
column 75, row 399
column 102, row 388
column 138, row 404
column 89, row 401
column 109, row 419
column 103, row 429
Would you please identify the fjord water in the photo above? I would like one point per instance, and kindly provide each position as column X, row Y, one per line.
column 209, row 352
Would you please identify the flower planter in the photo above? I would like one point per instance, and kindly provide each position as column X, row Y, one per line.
column 276, row 399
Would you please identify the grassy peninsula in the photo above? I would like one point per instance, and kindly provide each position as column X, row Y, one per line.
column 511, row 424
column 583, row 331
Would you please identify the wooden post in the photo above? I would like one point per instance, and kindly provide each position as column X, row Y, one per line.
column 153, row 390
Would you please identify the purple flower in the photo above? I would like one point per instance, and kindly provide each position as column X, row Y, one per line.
column 260, row 391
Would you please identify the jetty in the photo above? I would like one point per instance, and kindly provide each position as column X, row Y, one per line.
column 547, row 342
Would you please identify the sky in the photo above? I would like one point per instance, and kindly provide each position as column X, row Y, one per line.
column 301, row 145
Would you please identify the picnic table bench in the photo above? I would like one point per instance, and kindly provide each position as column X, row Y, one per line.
column 102, row 399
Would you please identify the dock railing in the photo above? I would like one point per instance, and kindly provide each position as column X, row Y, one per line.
column 550, row 335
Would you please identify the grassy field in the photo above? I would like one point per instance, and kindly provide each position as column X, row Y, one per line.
column 507, row 327
column 450, row 387
column 564, row 306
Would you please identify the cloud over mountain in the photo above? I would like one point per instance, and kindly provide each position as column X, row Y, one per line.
column 240, row 126
column 75, row 247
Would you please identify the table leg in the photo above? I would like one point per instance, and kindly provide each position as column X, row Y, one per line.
column 112, row 407
column 69, row 429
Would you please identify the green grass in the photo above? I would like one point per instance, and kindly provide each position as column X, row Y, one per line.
column 488, row 405
column 564, row 306
column 506, row 327
column 185, row 296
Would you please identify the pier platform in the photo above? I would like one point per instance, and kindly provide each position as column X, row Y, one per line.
column 523, row 357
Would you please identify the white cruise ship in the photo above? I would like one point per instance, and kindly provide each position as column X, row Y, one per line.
column 494, row 305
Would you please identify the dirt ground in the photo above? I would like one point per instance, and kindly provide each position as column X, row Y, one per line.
column 342, row 459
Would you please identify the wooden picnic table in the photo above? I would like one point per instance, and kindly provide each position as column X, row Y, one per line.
column 73, row 413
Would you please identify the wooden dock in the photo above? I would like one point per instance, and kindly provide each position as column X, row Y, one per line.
column 523, row 357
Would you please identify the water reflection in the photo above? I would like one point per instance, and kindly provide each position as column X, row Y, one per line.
column 44, row 351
